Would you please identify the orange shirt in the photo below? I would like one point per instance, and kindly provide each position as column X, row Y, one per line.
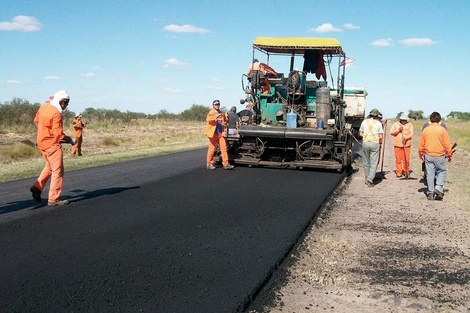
column 435, row 141
column 211, row 119
column 77, row 128
column 397, row 135
column 50, row 126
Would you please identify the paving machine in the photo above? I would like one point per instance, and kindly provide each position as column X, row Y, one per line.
column 299, row 119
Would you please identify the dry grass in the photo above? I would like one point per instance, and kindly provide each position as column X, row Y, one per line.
column 329, row 268
column 104, row 145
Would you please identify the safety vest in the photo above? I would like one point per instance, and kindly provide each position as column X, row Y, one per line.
column 369, row 135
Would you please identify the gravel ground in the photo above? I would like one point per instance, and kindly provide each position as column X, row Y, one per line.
column 380, row 249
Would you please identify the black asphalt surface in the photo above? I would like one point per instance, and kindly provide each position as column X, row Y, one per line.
column 161, row 234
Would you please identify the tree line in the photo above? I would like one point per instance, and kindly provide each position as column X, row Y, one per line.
column 419, row 115
column 18, row 114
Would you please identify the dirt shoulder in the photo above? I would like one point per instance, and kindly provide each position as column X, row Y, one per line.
column 380, row 249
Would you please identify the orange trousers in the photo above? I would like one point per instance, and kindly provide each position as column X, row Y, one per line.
column 54, row 169
column 77, row 147
column 220, row 140
column 400, row 166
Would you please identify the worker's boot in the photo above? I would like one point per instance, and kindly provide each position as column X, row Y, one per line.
column 430, row 196
column 438, row 195
column 36, row 193
column 58, row 203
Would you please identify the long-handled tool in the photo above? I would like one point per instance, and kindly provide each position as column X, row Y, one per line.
column 29, row 143
column 406, row 165
column 383, row 149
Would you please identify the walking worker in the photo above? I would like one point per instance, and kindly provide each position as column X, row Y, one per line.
column 50, row 134
column 233, row 122
column 402, row 132
column 434, row 147
column 78, row 127
column 371, row 132
column 214, row 131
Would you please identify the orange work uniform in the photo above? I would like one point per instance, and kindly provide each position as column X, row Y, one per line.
column 50, row 131
column 213, row 118
column 402, row 145
column 78, row 134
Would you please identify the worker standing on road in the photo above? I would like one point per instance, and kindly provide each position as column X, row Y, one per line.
column 50, row 134
column 371, row 132
column 78, row 127
column 434, row 147
column 233, row 122
column 214, row 131
column 402, row 132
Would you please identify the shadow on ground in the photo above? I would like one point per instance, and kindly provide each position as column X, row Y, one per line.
column 81, row 195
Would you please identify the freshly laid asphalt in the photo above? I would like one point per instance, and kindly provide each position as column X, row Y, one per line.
column 161, row 234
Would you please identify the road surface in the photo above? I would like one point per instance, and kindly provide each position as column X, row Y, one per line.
column 161, row 234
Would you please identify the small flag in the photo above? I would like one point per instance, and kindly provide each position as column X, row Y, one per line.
column 347, row 61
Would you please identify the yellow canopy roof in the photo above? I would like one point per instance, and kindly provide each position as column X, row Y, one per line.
column 297, row 45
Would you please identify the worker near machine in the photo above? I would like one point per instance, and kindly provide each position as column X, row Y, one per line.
column 371, row 132
column 402, row 132
column 246, row 115
column 434, row 148
column 265, row 71
column 78, row 127
column 233, row 122
column 50, row 134
column 214, row 131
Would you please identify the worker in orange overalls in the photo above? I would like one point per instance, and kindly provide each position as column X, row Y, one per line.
column 402, row 132
column 50, row 135
column 214, row 131
column 78, row 127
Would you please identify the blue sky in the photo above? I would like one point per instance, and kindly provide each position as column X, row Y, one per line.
column 147, row 56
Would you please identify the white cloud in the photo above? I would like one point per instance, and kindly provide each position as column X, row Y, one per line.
column 215, row 88
column 96, row 68
column 87, row 75
column 22, row 23
column 142, row 63
column 383, row 42
column 215, row 80
column 417, row 42
column 185, row 29
column 325, row 28
column 12, row 81
column 174, row 63
column 51, row 77
column 172, row 90
column 351, row 26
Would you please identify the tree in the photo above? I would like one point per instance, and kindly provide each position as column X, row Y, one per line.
column 416, row 115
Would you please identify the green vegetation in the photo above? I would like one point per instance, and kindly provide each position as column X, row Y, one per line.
column 18, row 114
column 416, row 115
column 464, row 116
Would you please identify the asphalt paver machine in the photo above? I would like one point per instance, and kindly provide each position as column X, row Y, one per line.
column 299, row 118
